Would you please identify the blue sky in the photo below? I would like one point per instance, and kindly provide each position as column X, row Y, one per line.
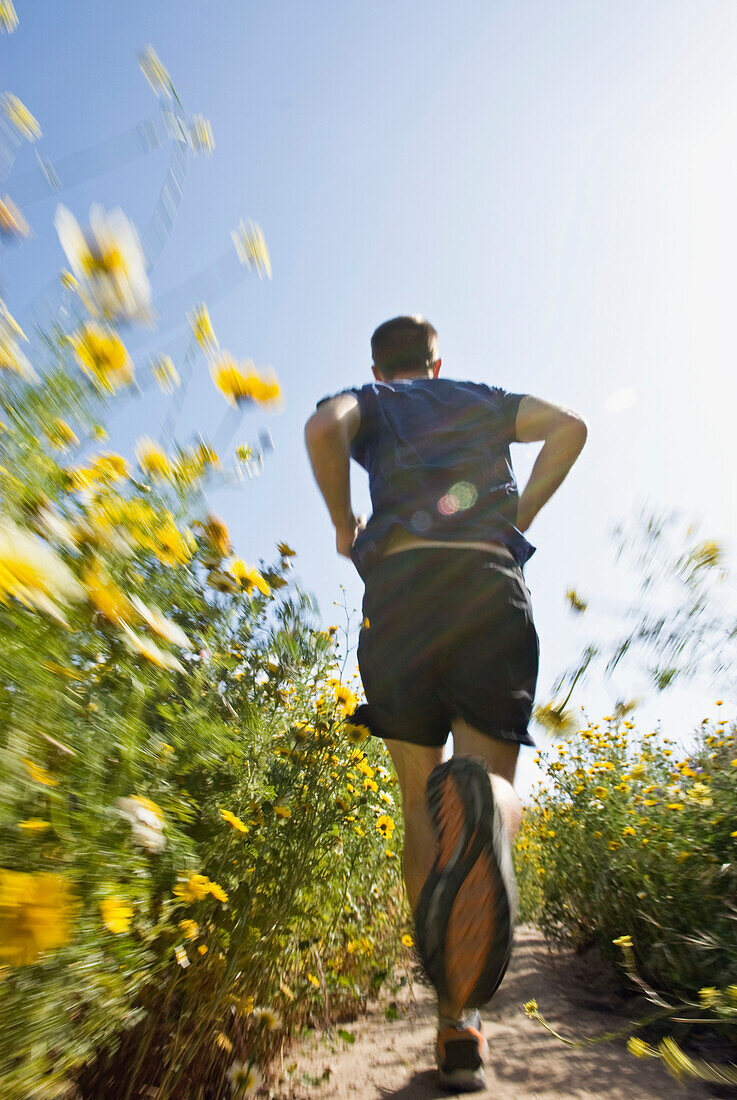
column 552, row 183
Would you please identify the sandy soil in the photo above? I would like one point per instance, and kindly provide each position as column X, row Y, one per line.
column 393, row 1060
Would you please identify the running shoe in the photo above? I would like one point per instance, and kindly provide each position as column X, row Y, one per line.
column 461, row 1051
column 465, row 914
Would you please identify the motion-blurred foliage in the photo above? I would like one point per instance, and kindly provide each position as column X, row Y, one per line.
column 197, row 849
column 190, row 830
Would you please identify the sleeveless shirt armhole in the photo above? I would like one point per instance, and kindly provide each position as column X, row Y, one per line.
column 510, row 405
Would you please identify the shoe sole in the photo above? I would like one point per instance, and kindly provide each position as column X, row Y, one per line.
column 465, row 914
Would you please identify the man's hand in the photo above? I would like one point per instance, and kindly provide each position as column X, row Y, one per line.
column 347, row 533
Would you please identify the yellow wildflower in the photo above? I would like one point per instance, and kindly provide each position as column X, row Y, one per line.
column 103, row 357
column 601, row 792
column 575, row 602
column 116, row 915
column 313, row 980
column 12, row 222
column 59, row 434
column 241, row 383
column 202, row 329
column 355, row 733
column 345, row 699
column 108, row 264
column 153, row 459
column 165, row 373
column 217, row 892
column 639, row 1048
column 706, row 555
column 20, row 117
column 285, row 550
column 34, row 825
column 282, row 811
column 385, row 825
column 190, row 929
column 8, row 17
column 250, row 248
column 554, row 718
column 195, row 888
column 106, row 597
column 234, row 821
column 407, row 940
column 224, row 1042
column 678, row 1062
column 249, row 577
column 155, row 73
column 170, row 545
column 39, row 774
column 200, row 135
column 218, row 536
column 35, row 915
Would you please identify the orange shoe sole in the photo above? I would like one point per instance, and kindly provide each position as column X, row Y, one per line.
column 465, row 914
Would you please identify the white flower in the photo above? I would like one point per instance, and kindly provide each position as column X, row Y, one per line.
column 20, row 117
column 160, row 625
column 108, row 264
column 32, row 573
column 244, row 1078
column 11, row 357
column 147, row 823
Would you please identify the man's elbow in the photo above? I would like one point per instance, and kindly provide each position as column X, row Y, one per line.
column 576, row 428
column 318, row 427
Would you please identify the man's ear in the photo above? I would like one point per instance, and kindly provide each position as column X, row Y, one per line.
column 377, row 373
column 436, row 367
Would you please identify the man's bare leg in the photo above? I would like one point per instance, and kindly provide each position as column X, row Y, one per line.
column 500, row 758
column 413, row 764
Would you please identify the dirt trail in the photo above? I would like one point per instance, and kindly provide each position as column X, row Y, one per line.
column 393, row 1060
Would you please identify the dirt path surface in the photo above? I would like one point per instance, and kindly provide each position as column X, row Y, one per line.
column 393, row 1060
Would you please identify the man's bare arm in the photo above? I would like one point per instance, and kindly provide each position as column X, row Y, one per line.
column 564, row 433
column 328, row 435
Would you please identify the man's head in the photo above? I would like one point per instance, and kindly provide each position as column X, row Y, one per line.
column 405, row 347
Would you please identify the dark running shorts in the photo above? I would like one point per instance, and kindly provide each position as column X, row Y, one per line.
column 447, row 633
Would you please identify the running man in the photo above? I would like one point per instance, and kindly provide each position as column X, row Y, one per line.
column 448, row 642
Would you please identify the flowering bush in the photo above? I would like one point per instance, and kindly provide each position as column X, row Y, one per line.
column 625, row 838
column 190, row 827
column 197, row 847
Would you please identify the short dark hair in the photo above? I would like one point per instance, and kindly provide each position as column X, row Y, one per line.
column 404, row 344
